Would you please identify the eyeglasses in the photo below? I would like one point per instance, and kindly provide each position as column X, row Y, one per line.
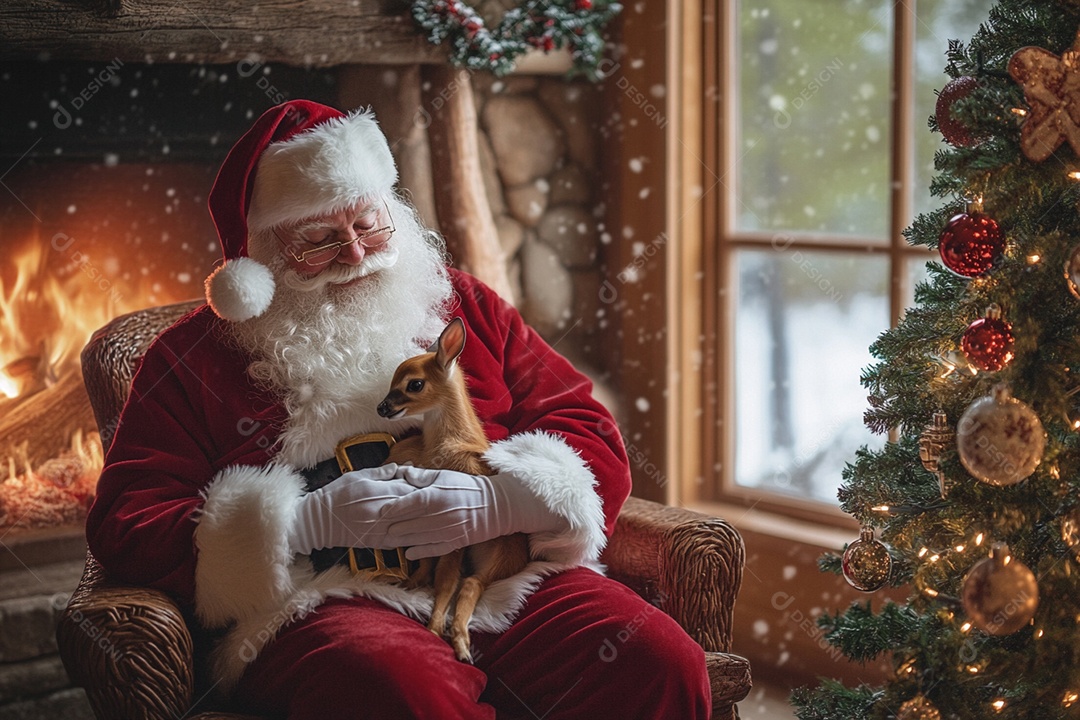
column 322, row 253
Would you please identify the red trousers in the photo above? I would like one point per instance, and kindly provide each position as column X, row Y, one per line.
column 584, row 646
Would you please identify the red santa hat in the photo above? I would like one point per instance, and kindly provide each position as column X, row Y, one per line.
column 298, row 161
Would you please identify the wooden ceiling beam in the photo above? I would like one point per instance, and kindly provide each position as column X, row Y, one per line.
column 303, row 33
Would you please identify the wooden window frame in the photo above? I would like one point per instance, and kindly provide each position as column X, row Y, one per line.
column 720, row 240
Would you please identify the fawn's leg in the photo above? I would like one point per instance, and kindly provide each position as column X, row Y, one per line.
column 472, row 588
column 492, row 560
column 447, row 576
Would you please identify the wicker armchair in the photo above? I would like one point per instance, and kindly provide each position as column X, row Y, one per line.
column 132, row 649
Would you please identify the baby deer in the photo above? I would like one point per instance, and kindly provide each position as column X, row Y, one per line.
column 432, row 385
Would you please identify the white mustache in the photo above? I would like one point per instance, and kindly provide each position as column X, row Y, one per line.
column 339, row 274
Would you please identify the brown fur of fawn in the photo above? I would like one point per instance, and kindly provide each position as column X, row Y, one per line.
column 453, row 438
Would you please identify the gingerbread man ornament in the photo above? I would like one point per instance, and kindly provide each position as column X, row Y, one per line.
column 1052, row 90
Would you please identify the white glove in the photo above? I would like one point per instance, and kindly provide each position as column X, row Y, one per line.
column 452, row 510
column 346, row 512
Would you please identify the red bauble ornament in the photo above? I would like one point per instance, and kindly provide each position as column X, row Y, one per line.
column 584, row 4
column 988, row 342
column 971, row 244
column 955, row 133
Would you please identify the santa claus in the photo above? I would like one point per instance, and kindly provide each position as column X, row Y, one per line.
column 210, row 488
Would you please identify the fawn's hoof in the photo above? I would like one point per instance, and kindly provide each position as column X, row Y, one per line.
column 462, row 649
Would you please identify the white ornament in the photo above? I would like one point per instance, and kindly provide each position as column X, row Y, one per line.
column 1000, row 438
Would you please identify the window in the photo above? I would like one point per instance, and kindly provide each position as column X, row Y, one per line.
column 825, row 157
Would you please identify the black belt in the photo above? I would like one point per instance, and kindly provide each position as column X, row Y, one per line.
column 359, row 451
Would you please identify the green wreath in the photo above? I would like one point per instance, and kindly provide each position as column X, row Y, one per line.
column 543, row 24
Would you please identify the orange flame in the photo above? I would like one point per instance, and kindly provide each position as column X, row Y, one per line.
column 46, row 319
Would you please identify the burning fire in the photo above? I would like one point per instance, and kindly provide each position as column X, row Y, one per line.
column 48, row 320
column 49, row 311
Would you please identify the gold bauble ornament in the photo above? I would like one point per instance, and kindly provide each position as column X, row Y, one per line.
column 999, row 593
column 918, row 708
column 1072, row 272
column 866, row 563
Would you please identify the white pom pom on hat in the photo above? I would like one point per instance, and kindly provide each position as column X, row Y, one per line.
column 299, row 160
column 240, row 289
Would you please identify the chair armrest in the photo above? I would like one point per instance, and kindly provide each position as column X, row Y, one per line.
column 128, row 647
column 688, row 564
column 729, row 678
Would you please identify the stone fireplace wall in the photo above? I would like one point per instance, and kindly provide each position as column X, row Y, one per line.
column 539, row 152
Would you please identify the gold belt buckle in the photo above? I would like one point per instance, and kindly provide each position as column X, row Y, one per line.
column 381, row 569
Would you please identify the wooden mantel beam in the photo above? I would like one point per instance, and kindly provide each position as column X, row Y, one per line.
column 304, row 33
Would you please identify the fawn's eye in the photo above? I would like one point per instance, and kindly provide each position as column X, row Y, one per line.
column 415, row 386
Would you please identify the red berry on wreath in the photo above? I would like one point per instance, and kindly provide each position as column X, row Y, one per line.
column 988, row 342
column 584, row 4
column 971, row 244
column 548, row 44
column 955, row 132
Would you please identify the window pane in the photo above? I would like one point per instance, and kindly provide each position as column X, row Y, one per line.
column 937, row 21
column 813, row 122
column 804, row 323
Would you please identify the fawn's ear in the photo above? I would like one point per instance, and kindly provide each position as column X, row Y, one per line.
column 451, row 343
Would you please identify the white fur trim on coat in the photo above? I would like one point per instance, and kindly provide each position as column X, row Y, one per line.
column 557, row 475
column 240, row 289
column 242, row 542
column 322, row 170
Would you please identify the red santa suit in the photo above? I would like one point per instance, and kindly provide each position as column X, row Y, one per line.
column 203, row 479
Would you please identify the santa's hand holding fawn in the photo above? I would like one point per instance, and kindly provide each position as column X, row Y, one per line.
column 348, row 512
column 452, row 510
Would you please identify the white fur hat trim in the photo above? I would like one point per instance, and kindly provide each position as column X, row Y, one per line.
column 240, row 289
column 322, row 170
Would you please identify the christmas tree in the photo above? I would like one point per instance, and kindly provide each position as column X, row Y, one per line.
column 976, row 500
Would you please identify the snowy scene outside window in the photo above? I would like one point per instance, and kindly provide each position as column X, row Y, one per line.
column 818, row 266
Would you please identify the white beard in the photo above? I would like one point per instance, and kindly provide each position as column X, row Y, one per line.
column 330, row 351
